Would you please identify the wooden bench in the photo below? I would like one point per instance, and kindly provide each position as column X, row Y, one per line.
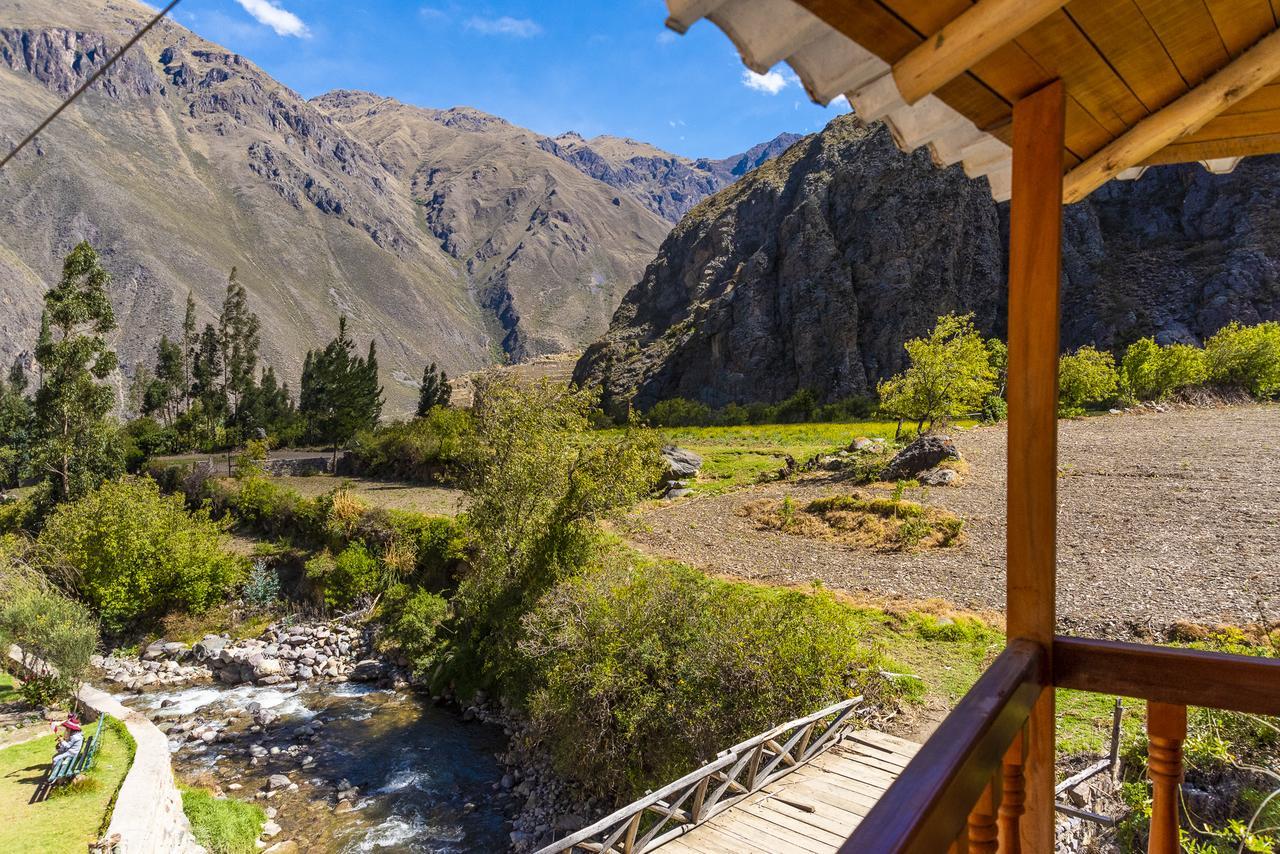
column 68, row 766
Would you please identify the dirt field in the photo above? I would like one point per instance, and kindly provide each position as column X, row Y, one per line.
column 1164, row 517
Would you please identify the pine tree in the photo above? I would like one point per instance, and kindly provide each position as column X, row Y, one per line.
column 188, row 348
column 434, row 391
column 206, row 378
column 340, row 392
column 75, row 447
column 164, row 393
column 238, row 337
column 15, row 426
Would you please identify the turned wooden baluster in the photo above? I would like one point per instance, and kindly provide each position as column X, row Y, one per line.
column 961, row 845
column 984, row 836
column 1013, row 797
column 1166, row 730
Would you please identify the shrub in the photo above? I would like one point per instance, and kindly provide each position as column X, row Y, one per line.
column 223, row 825
column 133, row 553
column 414, row 619
column 679, row 412
column 1151, row 372
column 426, row 449
column 48, row 626
column 261, row 588
column 1086, row 377
column 642, row 670
column 1247, row 357
column 351, row 577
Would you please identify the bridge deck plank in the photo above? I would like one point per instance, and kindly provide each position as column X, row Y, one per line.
column 839, row 786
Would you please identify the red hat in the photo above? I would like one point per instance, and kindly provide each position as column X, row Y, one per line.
column 72, row 723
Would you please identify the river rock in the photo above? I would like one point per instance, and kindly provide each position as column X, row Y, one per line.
column 270, row 829
column 209, row 646
column 938, row 477
column 368, row 670
column 286, row 847
column 278, row 781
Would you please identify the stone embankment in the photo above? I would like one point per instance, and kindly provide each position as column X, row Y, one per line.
column 285, row 653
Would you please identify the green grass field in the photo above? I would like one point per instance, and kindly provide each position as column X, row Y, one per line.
column 74, row 815
column 8, row 689
column 734, row 457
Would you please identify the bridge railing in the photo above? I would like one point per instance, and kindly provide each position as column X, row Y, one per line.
column 741, row 770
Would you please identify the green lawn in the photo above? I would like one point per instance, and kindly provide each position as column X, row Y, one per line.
column 73, row 816
column 734, row 457
column 8, row 689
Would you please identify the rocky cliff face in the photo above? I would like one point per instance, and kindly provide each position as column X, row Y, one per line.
column 447, row 235
column 813, row 271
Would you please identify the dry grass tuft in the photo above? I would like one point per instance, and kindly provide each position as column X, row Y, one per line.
column 871, row 522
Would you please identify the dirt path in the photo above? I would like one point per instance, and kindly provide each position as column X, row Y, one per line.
column 1164, row 517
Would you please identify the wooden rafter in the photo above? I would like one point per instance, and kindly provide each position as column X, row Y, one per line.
column 967, row 40
column 1236, row 81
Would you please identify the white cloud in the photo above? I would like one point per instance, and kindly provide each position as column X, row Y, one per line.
column 284, row 22
column 430, row 13
column 840, row 102
column 520, row 28
column 771, row 83
column 666, row 37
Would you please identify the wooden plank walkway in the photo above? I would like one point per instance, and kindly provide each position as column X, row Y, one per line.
column 811, row 810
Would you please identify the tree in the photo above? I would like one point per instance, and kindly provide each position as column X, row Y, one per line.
column 434, row 391
column 74, row 440
column 1086, row 377
column 188, row 348
column 165, row 392
column 267, row 405
column 950, row 374
column 340, row 392
column 15, row 426
column 49, row 627
column 238, row 339
column 1246, row 357
column 206, row 372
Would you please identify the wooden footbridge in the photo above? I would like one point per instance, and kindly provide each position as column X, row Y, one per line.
column 799, row 788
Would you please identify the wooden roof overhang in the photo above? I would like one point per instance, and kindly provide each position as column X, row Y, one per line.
column 1147, row 81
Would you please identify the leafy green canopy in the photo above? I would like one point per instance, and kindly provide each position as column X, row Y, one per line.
column 75, row 443
column 135, row 554
column 538, row 479
column 1086, row 377
column 1246, row 357
column 952, row 372
column 340, row 392
column 1151, row 372
column 48, row 626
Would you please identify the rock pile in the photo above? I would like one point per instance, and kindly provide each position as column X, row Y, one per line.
column 162, row 663
column 682, row 468
column 285, row 653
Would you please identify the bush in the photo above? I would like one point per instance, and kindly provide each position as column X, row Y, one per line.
column 1086, row 377
column 133, row 553
column 223, row 825
column 1151, row 372
column 261, row 588
column 952, row 372
column 427, row 449
column 679, row 412
column 642, row 670
column 414, row 619
column 1246, row 357
column 353, row 576
column 49, row 627
column 800, row 407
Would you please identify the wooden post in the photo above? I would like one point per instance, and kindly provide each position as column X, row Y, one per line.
column 1013, row 796
column 1035, row 263
column 1166, row 730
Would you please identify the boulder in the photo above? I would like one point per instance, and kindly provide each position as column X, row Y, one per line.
column 921, row 455
column 681, row 462
column 209, row 646
column 175, row 649
column 938, row 477
column 369, row 670
column 278, row 781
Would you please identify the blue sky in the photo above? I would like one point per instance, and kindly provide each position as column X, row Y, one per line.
column 594, row 66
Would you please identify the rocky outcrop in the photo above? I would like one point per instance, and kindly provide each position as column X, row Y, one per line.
column 813, row 271
column 807, row 274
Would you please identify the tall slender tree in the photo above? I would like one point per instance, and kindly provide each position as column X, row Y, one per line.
column 238, row 336
column 189, row 338
column 434, row 390
column 15, row 426
column 340, row 392
column 206, row 378
column 75, row 447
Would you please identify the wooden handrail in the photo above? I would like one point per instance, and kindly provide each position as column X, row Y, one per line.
column 1178, row 677
column 929, row 804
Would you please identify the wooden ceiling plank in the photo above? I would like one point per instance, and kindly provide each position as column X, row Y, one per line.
column 1128, row 43
column 1265, row 99
column 964, row 40
column 1243, row 76
column 1195, row 151
column 1064, row 52
column 1235, row 126
column 1187, row 31
column 1240, row 23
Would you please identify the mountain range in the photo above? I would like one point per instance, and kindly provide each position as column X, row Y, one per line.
column 447, row 235
column 812, row 271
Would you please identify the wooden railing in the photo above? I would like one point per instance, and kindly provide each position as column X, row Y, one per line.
column 962, row 793
column 736, row 773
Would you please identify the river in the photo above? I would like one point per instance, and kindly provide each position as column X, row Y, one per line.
column 425, row 777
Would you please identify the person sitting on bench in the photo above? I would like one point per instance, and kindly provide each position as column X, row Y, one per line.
column 70, row 743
